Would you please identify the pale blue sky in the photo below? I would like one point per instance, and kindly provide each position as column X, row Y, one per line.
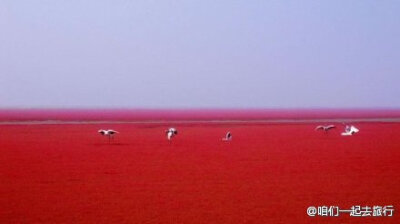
column 196, row 54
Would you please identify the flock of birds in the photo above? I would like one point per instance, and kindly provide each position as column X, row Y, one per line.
column 348, row 130
column 171, row 132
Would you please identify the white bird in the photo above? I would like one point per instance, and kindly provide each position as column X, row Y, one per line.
column 350, row 130
column 326, row 128
column 110, row 133
column 171, row 132
column 228, row 136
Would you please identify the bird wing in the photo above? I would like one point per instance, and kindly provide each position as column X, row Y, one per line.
column 330, row 126
column 354, row 129
column 319, row 127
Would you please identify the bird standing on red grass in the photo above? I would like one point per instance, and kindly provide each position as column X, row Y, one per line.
column 228, row 136
column 171, row 132
column 110, row 133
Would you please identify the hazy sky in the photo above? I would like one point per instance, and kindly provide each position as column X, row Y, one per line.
column 191, row 54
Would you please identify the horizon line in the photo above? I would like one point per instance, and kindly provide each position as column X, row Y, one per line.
column 81, row 114
column 199, row 108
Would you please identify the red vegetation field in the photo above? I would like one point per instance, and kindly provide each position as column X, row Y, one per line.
column 269, row 173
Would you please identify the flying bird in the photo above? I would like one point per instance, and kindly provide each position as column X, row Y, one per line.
column 228, row 136
column 350, row 130
column 325, row 128
column 110, row 133
column 171, row 132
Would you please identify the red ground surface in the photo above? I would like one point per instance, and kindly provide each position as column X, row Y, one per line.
column 269, row 173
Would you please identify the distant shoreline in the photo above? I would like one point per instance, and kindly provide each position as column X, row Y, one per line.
column 56, row 116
